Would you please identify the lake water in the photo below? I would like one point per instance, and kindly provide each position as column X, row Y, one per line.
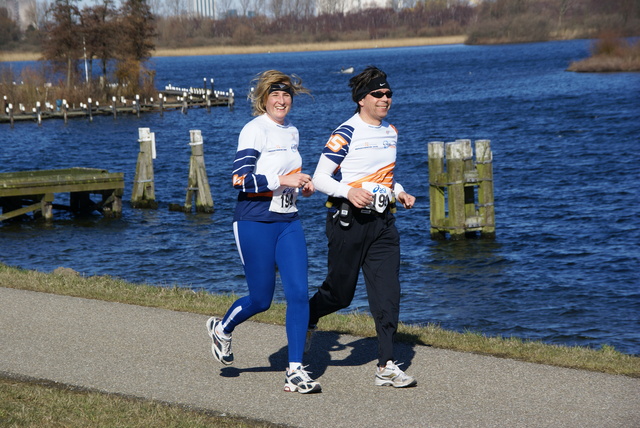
column 564, row 267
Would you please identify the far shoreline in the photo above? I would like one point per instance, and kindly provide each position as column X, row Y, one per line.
column 255, row 49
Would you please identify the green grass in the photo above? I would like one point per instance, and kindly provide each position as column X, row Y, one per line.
column 27, row 404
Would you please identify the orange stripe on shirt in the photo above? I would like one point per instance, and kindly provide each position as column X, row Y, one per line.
column 238, row 180
column 383, row 176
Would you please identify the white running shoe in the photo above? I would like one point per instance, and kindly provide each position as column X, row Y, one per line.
column 311, row 331
column 391, row 375
column 220, row 347
column 299, row 380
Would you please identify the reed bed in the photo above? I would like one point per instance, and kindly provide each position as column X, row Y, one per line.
column 610, row 54
column 307, row 47
column 298, row 47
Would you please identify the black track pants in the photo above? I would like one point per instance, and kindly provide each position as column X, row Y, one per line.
column 372, row 243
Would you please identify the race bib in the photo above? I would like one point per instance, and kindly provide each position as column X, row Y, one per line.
column 284, row 200
column 381, row 196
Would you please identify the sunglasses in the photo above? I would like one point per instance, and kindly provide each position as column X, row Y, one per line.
column 380, row 94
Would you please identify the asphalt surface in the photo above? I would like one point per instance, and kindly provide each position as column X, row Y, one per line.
column 165, row 355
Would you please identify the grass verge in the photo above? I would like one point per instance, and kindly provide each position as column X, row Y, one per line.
column 28, row 403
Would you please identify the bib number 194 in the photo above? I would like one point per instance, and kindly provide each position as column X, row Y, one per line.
column 381, row 196
column 284, row 200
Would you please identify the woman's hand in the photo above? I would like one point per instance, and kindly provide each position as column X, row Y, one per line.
column 297, row 179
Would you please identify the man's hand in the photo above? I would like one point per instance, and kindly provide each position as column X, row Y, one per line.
column 406, row 200
column 308, row 189
column 359, row 197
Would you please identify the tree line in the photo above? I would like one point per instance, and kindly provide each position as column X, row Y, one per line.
column 120, row 38
column 123, row 36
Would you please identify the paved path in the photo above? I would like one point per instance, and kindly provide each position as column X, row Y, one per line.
column 165, row 355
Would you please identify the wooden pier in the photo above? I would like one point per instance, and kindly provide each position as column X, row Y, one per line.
column 34, row 192
column 169, row 99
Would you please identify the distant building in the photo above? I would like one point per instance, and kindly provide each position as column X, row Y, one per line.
column 21, row 11
column 204, row 8
column 12, row 8
column 344, row 6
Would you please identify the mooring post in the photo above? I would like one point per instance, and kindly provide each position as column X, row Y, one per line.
column 38, row 113
column 436, row 188
column 484, row 165
column 455, row 153
column 465, row 214
column 89, row 110
column 65, row 107
column 46, row 206
column 208, row 98
column 137, row 104
column 11, row 114
column 231, row 99
column 198, row 184
column 470, row 179
column 161, row 98
column 143, row 192
column 184, row 103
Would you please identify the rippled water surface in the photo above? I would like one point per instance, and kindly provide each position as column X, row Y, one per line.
column 564, row 267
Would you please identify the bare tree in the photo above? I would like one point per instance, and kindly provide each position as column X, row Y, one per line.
column 308, row 8
column 563, row 8
column 330, row 7
column 158, row 7
column 61, row 42
column 9, row 30
column 299, row 8
column 176, row 8
column 225, row 6
column 245, row 5
column 100, row 32
column 259, row 7
column 276, row 7
column 138, row 29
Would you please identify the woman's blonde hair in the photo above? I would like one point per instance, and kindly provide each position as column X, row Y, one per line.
column 263, row 82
